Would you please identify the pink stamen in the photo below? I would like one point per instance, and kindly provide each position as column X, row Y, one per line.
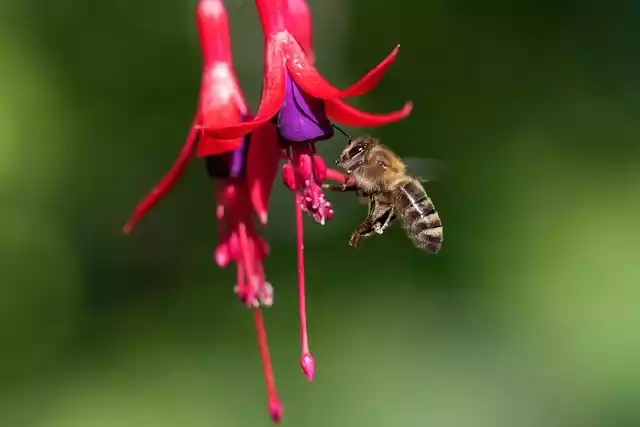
column 240, row 277
column 249, row 290
column 306, row 360
column 221, row 255
column 274, row 405
column 288, row 176
column 319, row 169
column 304, row 172
column 240, row 242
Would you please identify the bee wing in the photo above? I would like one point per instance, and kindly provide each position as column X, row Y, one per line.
column 425, row 169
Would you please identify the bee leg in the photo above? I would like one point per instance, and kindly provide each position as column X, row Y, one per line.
column 354, row 240
column 364, row 229
column 380, row 227
column 347, row 175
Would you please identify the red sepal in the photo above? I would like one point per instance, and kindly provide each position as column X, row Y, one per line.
column 310, row 80
column 343, row 113
column 270, row 101
column 166, row 183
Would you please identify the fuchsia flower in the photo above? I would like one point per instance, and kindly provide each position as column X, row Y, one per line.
column 301, row 103
column 236, row 185
column 242, row 153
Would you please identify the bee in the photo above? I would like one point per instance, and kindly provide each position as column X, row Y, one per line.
column 379, row 177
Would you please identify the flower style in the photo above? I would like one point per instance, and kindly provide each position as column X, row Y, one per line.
column 301, row 103
column 239, row 189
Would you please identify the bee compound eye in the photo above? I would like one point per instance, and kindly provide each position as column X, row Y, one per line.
column 355, row 150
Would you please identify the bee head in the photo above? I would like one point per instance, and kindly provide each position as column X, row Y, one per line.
column 355, row 153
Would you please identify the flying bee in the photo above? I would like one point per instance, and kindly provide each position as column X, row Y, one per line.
column 379, row 177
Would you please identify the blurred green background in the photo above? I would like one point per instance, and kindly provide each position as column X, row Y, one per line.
column 527, row 318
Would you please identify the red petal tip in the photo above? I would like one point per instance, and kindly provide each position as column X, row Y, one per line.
column 275, row 410
column 309, row 79
column 167, row 181
column 341, row 112
column 308, row 366
column 263, row 218
column 406, row 109
column 128, row 227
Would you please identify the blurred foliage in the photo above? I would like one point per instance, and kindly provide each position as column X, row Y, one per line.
column 527, row 318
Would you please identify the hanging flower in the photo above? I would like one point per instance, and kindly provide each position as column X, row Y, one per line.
column 220, row 101
column 301, row 103
column 239, row 188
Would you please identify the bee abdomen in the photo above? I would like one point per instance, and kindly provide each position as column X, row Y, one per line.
column 420, row 218
column 427, row 233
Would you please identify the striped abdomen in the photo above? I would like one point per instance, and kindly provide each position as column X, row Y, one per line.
column 418, row 216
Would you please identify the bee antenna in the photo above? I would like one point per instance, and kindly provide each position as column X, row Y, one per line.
column 341, row 131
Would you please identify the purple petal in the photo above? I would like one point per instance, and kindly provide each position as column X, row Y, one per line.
column 302, row 117
column 231, row 164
